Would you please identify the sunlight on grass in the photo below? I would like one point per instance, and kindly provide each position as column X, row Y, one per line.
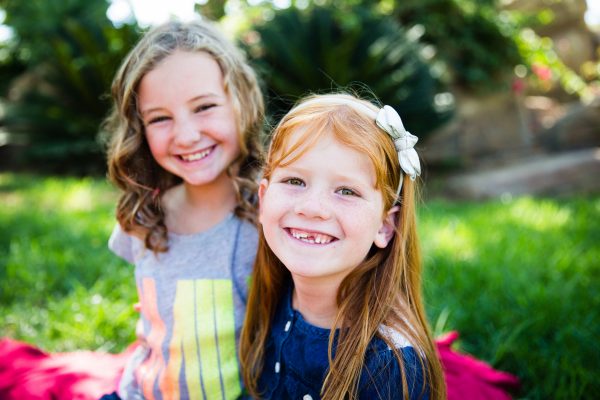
column 454, row 240
column 519, row 280
column 11, row 200
column 82, row 195
column 79, row 197
column 55, row 194
column 538, row 214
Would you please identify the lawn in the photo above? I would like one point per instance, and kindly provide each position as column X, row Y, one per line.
column 519, row 279
column 60, row 287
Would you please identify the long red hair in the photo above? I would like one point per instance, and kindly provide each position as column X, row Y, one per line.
column 384, row 290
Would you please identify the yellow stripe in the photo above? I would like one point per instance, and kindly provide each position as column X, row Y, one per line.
column 213, row 365
column 190, row 346
column 226, row 329
column 205, row 309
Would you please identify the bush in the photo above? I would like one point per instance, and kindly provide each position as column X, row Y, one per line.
column 472, row 38
column 321, row 49
column 68, row 56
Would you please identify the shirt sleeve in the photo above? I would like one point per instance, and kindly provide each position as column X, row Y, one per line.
column 382, row 379
column 121, row 244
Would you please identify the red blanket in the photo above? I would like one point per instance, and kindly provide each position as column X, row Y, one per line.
column 471, row 379
column 27, row 373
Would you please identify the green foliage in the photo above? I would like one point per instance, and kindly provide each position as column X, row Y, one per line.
column 56, row 72
column 60, row 287
column 211, row 9
column 479, row 44
column 472, row 38
column 520, row 281
column 323, row 49
column 547, row 68
column 69, row 52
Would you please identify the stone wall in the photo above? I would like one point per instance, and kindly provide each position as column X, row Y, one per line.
column 484, row 126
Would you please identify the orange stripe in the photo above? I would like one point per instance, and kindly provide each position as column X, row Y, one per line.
column 182, row 332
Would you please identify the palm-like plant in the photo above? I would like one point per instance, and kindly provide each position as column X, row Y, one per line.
column 472, row 37
column 70, row 51
column 320, row 49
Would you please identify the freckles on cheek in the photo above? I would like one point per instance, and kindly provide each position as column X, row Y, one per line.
column 267, row 210
column 362, row 222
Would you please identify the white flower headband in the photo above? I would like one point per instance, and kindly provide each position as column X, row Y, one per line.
column 389, row 121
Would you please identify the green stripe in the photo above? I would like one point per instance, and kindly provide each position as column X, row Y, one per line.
column 225, row 311
column 206, row 329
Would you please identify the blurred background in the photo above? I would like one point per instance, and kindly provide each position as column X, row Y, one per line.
column 503, row 94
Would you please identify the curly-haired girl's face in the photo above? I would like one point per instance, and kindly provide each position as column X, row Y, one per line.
column 189, row 121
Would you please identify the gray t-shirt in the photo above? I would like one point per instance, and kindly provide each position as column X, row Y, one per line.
column 193, row 302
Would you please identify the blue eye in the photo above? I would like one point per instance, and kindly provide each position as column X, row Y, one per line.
column 347, row 192
column 294, row 181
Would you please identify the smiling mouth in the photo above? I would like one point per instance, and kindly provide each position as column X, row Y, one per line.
column 197, row 156
column 311, row 237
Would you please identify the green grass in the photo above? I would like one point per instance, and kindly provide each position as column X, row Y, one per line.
column 520, row 280
column 60, row 287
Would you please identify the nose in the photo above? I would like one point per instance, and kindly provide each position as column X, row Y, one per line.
column 185, row 132
column 313, row 203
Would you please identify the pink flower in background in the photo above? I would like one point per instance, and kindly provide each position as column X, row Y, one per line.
column 543, row 72
column 518, row 85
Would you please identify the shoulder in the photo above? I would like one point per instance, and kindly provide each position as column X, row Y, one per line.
column 382, row 377
column 246, row 223
column 117, row 236
column 394, row 336
column 247, row 235
column 120, row 243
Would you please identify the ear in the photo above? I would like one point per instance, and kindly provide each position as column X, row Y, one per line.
column 387, row 229
column 262, row 188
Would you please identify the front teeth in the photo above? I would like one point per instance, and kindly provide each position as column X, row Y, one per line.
column 196, row 156
column 310, row 238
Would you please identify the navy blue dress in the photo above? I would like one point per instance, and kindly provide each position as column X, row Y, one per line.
column 296, row 362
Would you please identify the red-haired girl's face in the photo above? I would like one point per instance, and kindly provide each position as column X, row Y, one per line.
column 322, row 213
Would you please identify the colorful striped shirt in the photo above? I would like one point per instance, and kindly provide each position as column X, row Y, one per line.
column 192, row 308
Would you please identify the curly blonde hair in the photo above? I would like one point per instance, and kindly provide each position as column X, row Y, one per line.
column 131, row 166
